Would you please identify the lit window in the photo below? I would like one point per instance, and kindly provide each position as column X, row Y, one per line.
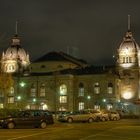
column 42, row 90
column 43, row 106
column 63, row 90
column 110, row 88
column 81, row 89
column 62, row 109
column 97, row 107
column 63, row 99
column 11, row 99
column 81, row 105
column 10, row 68
column 11, row 90
column 33, row 91
column 96, row 88
column 109, row 106
column 1, row 105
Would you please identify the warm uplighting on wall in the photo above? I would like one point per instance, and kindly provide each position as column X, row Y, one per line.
column 126, row 65
column 127, row 95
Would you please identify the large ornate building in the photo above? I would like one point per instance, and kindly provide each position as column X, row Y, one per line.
column 58, row 81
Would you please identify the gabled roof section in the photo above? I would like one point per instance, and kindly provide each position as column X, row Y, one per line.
column 90, row 70
column 61, row 56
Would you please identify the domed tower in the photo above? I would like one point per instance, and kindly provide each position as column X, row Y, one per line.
column 15, row 58
column 128, row 67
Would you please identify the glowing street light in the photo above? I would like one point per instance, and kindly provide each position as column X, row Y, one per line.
column 22, row 84
column 34, row 99
column 104, row 100
column 88, row 97
column 19, row 97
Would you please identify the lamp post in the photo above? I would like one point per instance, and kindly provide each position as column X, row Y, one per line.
column 88, row 98
column 104, row 102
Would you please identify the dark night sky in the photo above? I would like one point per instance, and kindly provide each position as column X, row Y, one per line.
column 93, row 28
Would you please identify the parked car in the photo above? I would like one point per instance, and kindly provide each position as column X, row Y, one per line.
column 82, row 116
column 35, row 118
column 104, row 116
column 113, row 115
column 100, row 115
column 63, row 113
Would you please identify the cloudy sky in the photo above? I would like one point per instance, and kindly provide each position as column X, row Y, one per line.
column 89, row 29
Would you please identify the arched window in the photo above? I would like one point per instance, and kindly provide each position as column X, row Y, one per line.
column 130, row 59
column 123, row 59
column 11, row 91
column 11, row 99
column 63, row 99
column 42, row 90
column 63, row 89
column 33, row 90
column 81, row 89
column 81, row 106
column 10, row 68
column 110, row 88
column 63, row 93
column 96, row 88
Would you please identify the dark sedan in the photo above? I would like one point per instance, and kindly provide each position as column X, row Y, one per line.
column 34, row 118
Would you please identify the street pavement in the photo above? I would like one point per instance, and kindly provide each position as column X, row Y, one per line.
column 110, row 130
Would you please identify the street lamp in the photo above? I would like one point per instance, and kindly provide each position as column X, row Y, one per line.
column 22, row 84
column 88, row 97
column 88, row 103
column 104, row 100
column 18, row 97
column 34, row 100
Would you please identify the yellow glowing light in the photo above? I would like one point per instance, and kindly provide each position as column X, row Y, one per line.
column 127, row 95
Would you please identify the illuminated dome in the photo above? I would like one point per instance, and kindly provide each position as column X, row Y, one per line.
column 15, row 57
column 128, row 44
column 128, row 52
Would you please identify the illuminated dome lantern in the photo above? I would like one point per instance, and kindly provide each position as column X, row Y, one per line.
column 15, row 59
column 128, row 52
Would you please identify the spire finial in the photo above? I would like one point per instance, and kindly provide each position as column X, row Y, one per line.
column 129, row 22
column 16, row 29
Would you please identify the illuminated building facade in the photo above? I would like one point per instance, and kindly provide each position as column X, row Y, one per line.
column 58, row 81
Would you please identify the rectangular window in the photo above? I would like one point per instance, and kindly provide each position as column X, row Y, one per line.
column 1, row 105
column 81, row 91
column 63, row 99
column 33, row 92
column 109, row 106
column 97, row 107
column 42, row 92
column 130, row 59
column 96, row 90
column 10, row 100
column 127, row 60
column 81, row 105
column 110, row 90
column 123, row 59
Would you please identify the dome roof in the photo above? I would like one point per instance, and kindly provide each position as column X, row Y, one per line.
column 129, row 43
column 15, row 51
